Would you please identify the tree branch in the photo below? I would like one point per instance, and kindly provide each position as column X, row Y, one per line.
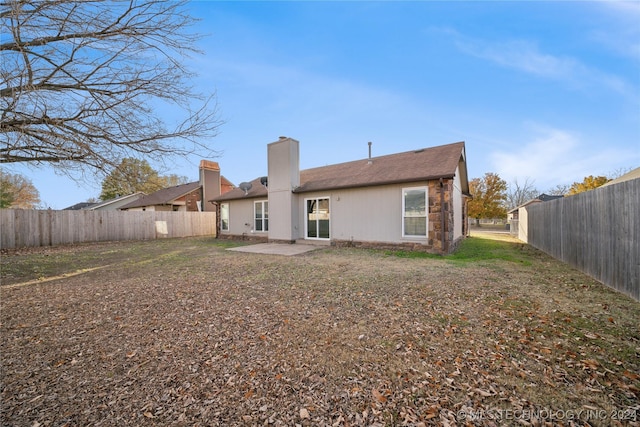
column 82, row 81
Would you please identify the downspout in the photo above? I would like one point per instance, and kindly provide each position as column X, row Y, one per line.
column 442, row 221
column 216, row 209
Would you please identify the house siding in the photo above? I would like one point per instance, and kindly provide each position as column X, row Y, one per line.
column 365, row 214
column 458, row 216
column 241, row 220
column 368, row 216
column 374, row 215
column 523, row 224
column 144, row 208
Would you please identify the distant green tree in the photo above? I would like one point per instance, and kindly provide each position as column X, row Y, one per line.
column 18, row 192
column 6, row 195
column 133, row 175
column 589, row 183
column 489, row 197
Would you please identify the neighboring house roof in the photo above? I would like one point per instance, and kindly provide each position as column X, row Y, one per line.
column 541, row 198
column 112, row 203
column 164, row 196
column 417, row 165
column 634, row 174
column 546, row 197
column 79, row 206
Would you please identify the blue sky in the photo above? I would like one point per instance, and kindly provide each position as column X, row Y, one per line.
column 545, row 91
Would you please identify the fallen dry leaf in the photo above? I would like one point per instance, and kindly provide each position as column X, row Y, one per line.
column 304, row 414
column 379, row 397
column 236, row 340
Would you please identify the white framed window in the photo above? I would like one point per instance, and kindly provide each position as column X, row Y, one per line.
column 224, row 217
column 414, row 212
column 261, row 216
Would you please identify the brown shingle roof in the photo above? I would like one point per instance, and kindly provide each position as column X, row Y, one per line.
column 164, row 196
column 417, row 165
column 257, row 191
column 411, row 166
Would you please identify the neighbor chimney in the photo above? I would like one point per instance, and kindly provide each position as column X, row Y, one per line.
column 210, row 183
column 370, row 161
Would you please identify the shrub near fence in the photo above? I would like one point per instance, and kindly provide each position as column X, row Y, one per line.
column 597, row 231
column 21, row 228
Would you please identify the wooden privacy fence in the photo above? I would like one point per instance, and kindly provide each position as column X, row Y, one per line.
column 598, row 232
column 21, row 228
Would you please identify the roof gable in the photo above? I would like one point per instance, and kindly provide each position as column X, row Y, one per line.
column 79, row 206
column 225, row 182
column 541, row 198
column 116, row 200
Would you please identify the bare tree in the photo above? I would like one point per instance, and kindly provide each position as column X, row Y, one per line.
column 559, row 190
column 617, row 173
column 519, row 193
column 82, row 83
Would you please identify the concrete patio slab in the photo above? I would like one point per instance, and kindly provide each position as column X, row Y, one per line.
column 276, row 248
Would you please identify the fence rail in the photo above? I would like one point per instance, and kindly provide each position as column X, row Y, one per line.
column 21, row 228
column 597, row 232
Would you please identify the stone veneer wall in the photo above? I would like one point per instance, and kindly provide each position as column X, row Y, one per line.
column 435, row 232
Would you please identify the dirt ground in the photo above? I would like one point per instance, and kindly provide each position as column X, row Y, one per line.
column 182, row 332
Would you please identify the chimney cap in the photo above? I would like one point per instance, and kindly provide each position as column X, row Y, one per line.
column 208, row 164
column 283, row 137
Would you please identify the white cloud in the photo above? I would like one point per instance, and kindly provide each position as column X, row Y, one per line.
column 622, row 36
column 522, row 55
column 627, row 8
column 557, row 156
column 526, row 56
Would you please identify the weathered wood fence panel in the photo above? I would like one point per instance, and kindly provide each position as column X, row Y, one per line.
column 598, row 232
column 21, row 228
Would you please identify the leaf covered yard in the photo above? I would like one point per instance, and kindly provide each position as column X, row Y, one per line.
column 183, row 332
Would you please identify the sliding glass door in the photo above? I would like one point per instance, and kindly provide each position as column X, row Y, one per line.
column 317, row 218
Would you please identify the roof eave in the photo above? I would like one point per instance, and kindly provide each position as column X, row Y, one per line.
column 247, row 197
column 302, row 189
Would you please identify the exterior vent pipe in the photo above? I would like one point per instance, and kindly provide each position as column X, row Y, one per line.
column 370, row 161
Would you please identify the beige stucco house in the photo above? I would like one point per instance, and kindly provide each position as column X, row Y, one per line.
column 415, row 199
